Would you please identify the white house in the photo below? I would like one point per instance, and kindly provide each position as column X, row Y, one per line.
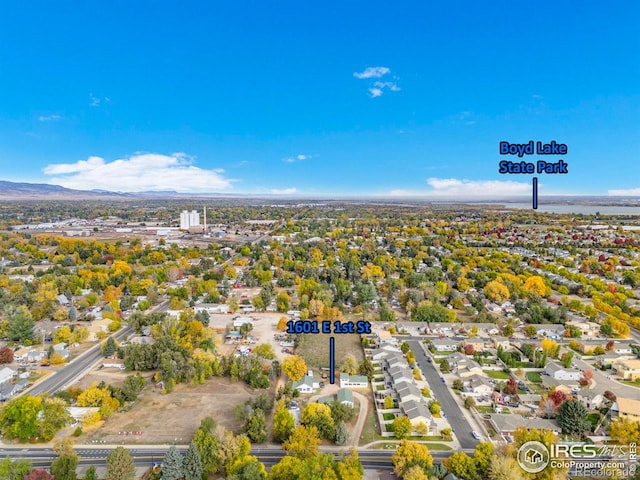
column 353, row 381
column 6, row 374
column 444, row 345
column 558, row 372
column 113, row 363
column 239, row 321
column 306, row 385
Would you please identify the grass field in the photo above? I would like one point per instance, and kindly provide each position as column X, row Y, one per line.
column 314, row 348
column 497, row 374
column 388, row 416
column 534, row 377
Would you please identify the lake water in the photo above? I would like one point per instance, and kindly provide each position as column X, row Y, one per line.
column 584, row 209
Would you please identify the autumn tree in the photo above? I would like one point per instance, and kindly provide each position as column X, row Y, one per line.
column 14, row 469
column 303, row 441
column 38, row 474
column 496, row 291
column 349, row 365
column 482, row 455
column 283, row 423
column 6, row 355
column 462, row 466
column 401, row 427
column 625, row 431
column 319, row 416
column 294, row 367
column 535, row 286
column 410, row 454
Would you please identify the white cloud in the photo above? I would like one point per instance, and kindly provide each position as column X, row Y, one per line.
column 375, row 92
column 138, row 173
column 97, row 101
column 298, row 158
column 629, row 192
column 284, row 191
column 372, row 72
column 49, row 118
column 390, row 85
column 477, row 188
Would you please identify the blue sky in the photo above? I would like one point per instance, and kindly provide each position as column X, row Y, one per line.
column 311, row 99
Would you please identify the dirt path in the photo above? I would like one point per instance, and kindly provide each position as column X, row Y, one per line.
column 362, row 417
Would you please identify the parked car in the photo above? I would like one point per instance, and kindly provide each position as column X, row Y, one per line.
column 475, row 435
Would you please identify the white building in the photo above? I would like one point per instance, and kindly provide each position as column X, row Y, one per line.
column 189, row 219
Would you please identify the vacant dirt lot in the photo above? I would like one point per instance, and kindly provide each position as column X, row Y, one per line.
column 175, row 416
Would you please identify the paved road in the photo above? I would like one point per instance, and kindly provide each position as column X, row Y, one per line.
column 42, row 457
column 69, row 373
column 602, row 383
column 440, row 391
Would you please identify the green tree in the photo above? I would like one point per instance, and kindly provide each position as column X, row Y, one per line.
column 349, row 365
column 388, row 402
column 256, row 427
column 207, row 444
column 566, row 359
column 507, row 331
column 192, row 465
column 90, row 474
column 530, row 331
column 19, row 417
column 366, row 368
column 401, row 427
column 445, row 367
column 19, row 323
column 64, row 467
column 14, row 470
column 132, row 386
column 572, row 417
column 110, row 347
column 172, row 465
column 283, row 423
column 120, row 465
column 342, row 434
column 264, row 350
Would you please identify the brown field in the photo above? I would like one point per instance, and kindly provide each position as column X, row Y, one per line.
column 174, row 416
column 314, row 348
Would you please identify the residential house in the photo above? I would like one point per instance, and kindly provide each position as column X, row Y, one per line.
column 306, row 384
column 408, row 391
column 559, row 372
column 628, row 369
column 59, row 346
column 211, row 308
column 626, row 408
column 587, row 329
column 607, row 359
column 113, row 363
column 6, row 375
column 501, row 342
column 506, row 424
column 20, row 355
column 400, row 373
column 468, row 368
column 444, row 345
column 345, row 397
column 417, row 412
column 478, row 386
column 591, row 399
column 477, row 343
column 8, row 390
column 353, row 381
column 35, row 356
column 240, row 321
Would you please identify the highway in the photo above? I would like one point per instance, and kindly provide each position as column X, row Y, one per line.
column 440, row 391
column 147, row 456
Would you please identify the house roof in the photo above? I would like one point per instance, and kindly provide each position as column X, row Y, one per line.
column 505, row 422
column 345, row 395
column 306, row 380
column 354, row 378
column 405, row 389
column 629, row 406
column 414, row 409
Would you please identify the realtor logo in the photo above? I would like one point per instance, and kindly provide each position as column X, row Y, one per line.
column 533, row 457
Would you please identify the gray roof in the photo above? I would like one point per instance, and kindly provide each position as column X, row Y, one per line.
column 506, row 422
column 414, row 409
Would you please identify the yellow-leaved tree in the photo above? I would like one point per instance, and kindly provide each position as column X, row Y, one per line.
column 294, row 367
